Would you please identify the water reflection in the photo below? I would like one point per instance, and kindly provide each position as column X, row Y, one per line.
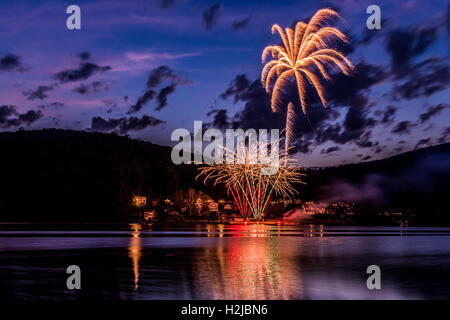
column 248, row 268
column 247, row 265
column 242, row 230
column 135, row 252
column 228, row 262
column 313, row 231
column 262, row 230
column 255, row 262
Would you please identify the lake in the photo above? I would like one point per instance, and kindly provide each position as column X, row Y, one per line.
column 223, row 262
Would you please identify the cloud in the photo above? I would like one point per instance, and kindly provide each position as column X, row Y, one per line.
column 388, row 114
column 211, row 15
column 302, row 144
column 356, row 121
column 330, row 149
column 220, row 120
column 55, row 105
column 241, row 24
column 39, row 93
column 10, row 62
column 432, row 111
column 423, row 79
column 165, row 4
column 93, row 87
column 349, row 90
column 422, row 142
column 364, row 141
column 82, row 89
column 84, row 55
column 124, row 125
column 84, row 71
column 110, row 104
column 403, row 127
column 162, row 96
column 10, row 117
column 353, row 129
column 157, row 77
column 405, row 44
column 142, row 101
column 256, row 112
column 164, row 73
column 368, row 35
column 238, row 88
column 445, row 134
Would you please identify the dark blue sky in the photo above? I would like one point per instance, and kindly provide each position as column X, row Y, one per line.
column 108, row 76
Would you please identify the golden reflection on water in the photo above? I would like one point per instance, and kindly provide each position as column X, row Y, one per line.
column 313, row 231
column 261, row 230
column 134, row 252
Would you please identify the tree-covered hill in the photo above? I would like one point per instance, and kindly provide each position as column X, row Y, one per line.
column 417, row 181
column 62, row 175
column 66, row 175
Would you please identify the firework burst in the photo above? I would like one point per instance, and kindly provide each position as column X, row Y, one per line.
column 250, row 181
column 306, row 51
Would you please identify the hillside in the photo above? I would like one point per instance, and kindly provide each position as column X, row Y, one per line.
column 417, row 181
column 71, row 175
column 65, row 175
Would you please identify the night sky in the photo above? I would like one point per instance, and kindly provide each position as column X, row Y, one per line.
column 145, row 68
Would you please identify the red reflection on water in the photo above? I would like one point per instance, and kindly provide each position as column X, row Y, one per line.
column 248, row 267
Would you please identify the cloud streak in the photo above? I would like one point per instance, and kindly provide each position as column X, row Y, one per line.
column 10, row 117
column 156, row 78
column 124, row 125
column 211, row 16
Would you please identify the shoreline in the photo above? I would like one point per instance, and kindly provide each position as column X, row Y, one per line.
column 203, row 222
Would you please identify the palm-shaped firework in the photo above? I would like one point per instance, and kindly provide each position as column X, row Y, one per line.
column 306, row 51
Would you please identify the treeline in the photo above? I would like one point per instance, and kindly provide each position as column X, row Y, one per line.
column 64, row 175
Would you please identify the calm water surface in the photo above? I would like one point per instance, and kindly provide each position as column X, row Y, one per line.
column 223, row 262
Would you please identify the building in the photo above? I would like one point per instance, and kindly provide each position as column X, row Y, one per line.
column 139, row 201
column 314, row 208
column 213, row 206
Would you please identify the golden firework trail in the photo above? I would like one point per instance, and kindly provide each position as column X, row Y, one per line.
column 305, row 55
column 290, row 120
column 246, row 181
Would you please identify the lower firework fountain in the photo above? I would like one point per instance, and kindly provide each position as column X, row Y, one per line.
column 252, row 183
